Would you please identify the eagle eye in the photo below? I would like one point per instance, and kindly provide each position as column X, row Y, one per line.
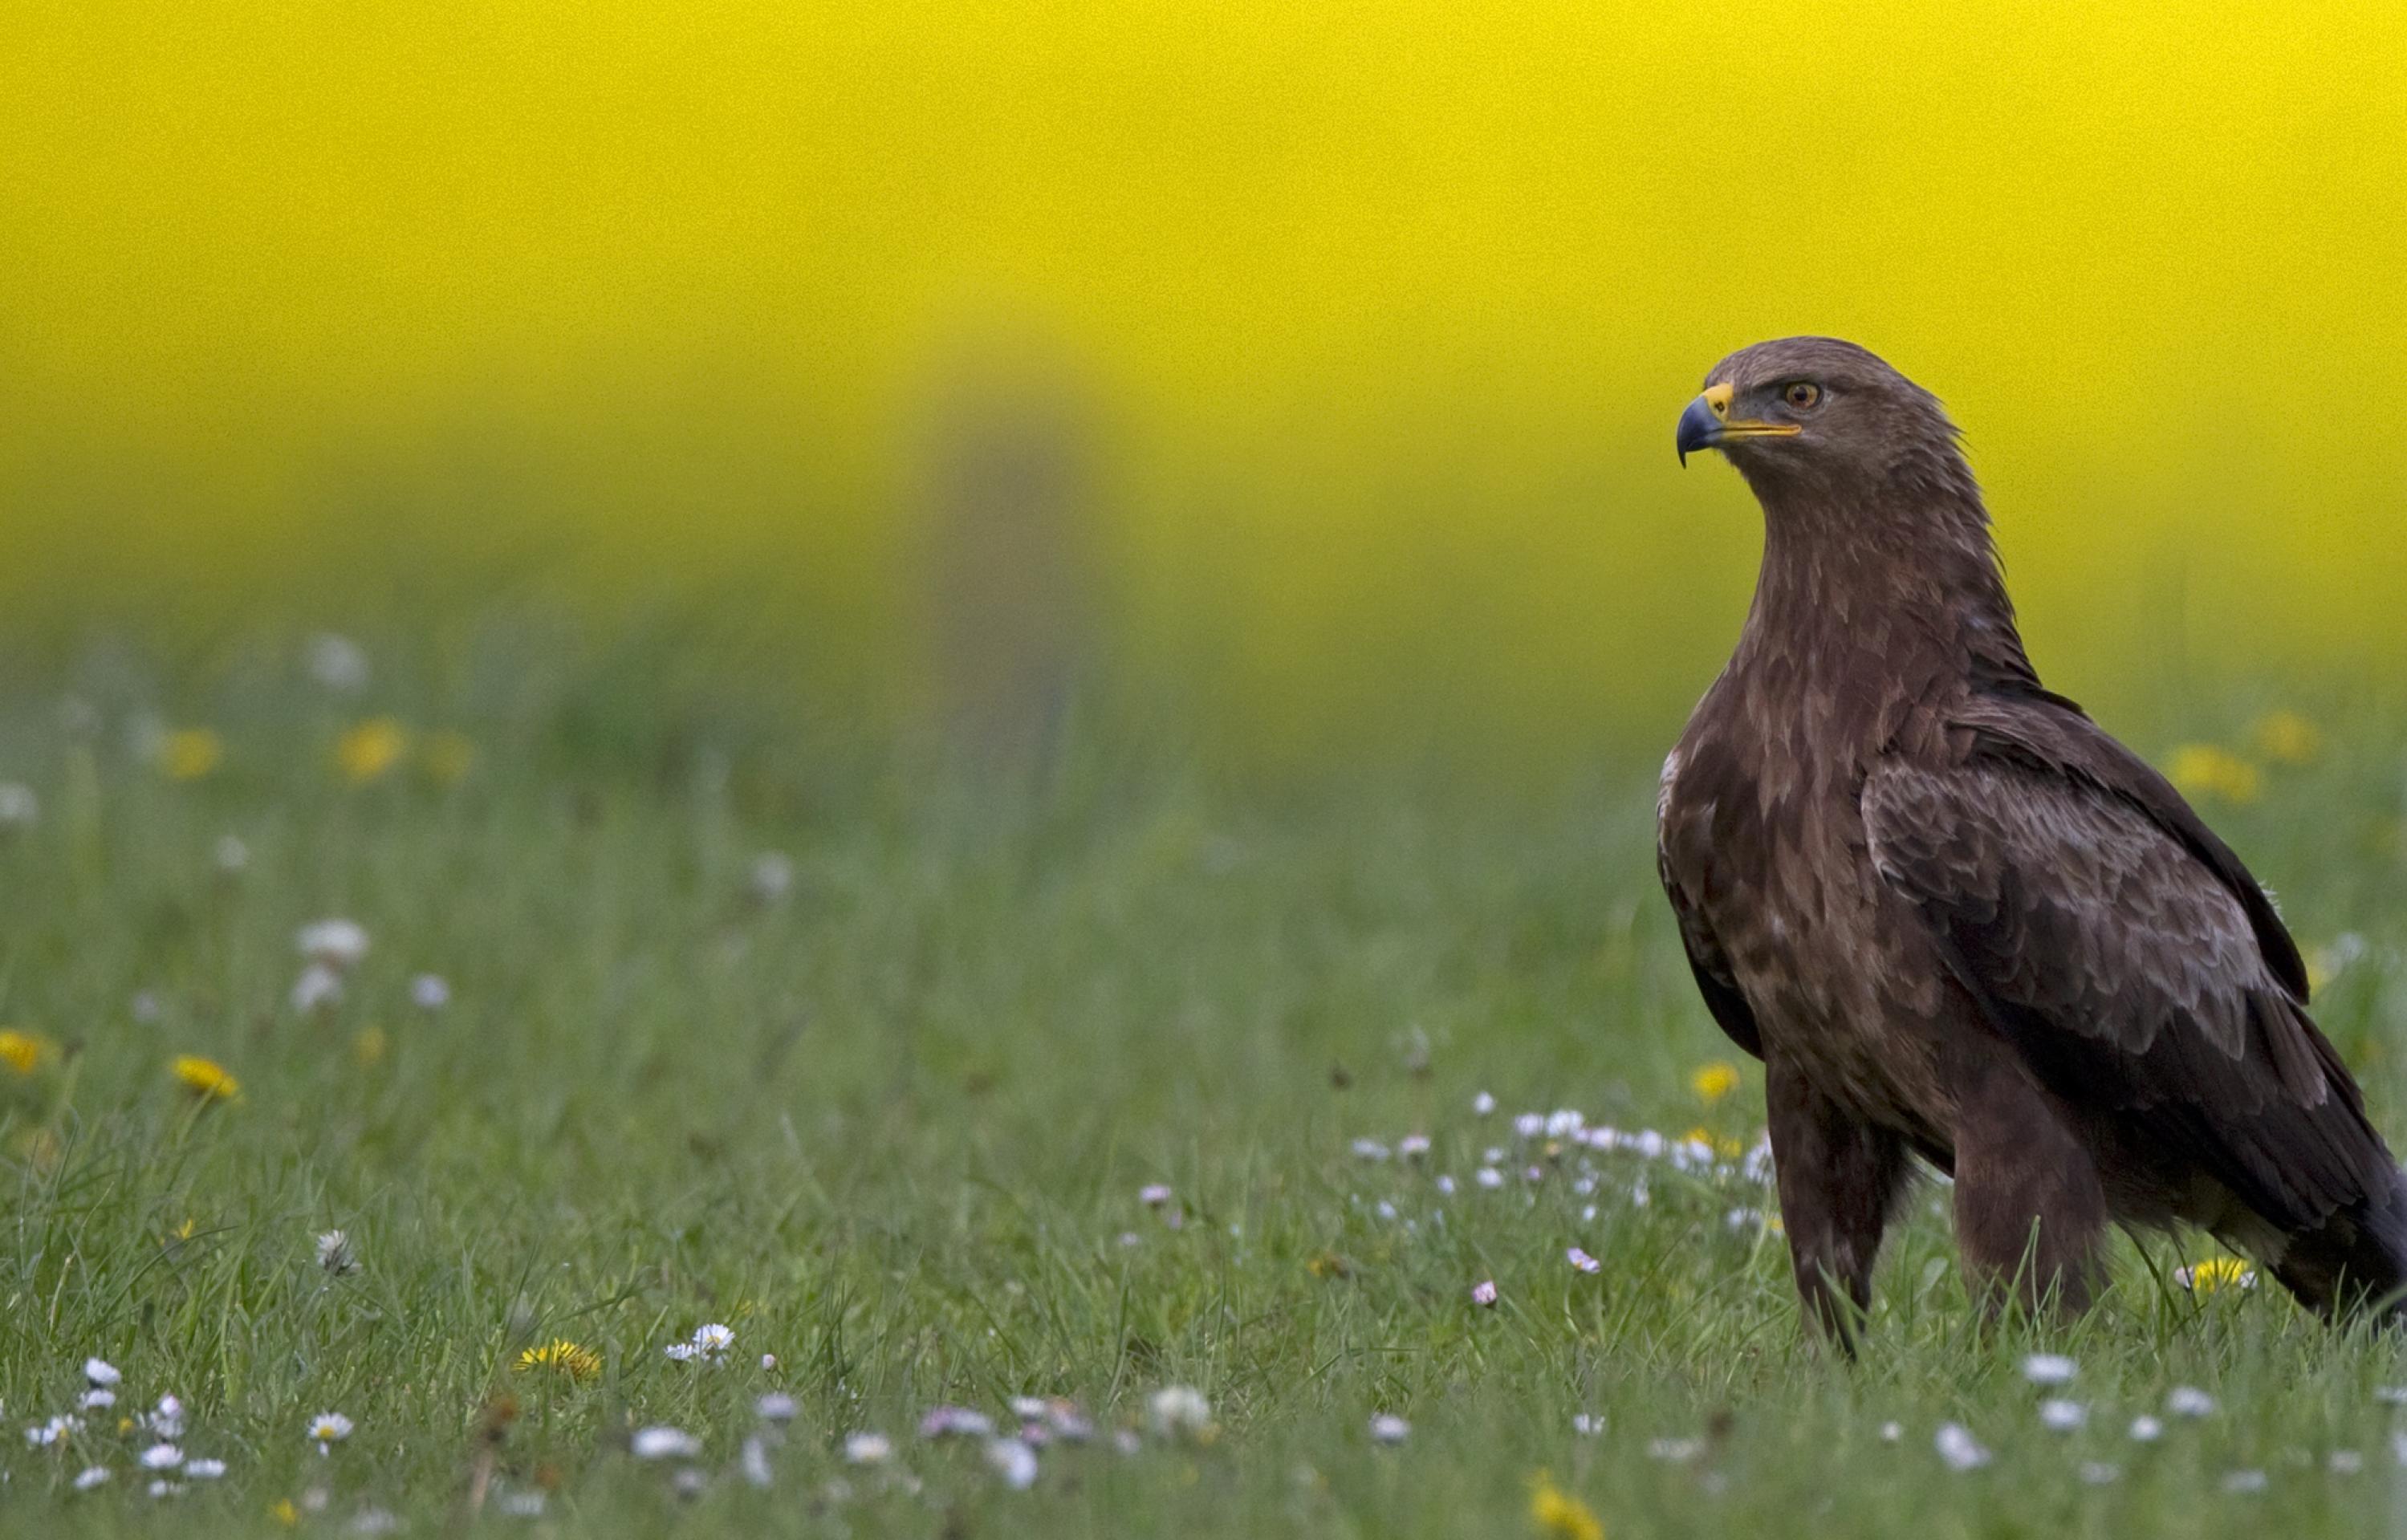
column 1802, row 394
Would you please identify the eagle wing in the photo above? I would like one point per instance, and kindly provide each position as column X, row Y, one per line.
column 2123, row 951
column 1716, row 979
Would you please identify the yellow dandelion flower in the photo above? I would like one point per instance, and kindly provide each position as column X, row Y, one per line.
column 448, row 757
column 371, row 749
column 2202, row 769
column 283, row 1512
column 25, row 1051
column 191, row 752
column 369, row 1046
column 2215, row 1272
column 1714, row 1081
column 1560, row 1515
column 2287, row 737
column 579, row 1363
column 205, row 1078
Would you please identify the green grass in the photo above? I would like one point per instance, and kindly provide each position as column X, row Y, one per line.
column 892, row 1127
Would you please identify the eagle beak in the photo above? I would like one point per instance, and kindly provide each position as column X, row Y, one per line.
column 1707, row 424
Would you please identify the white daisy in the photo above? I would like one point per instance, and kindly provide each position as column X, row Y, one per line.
column 1154, row 1194
column 2062, row 1417
column 771, row 875
column 1180, row 1410
column 162, row 1456
column 1483, row 1293
column 205, row 1470
column 956, row 1423
column 1014, row 1461
column 1679, row 1451
column 1489, row 1178
column 319, row 986
column 335, row 1253
column 163, row 1487
column 1412, row 1147
column 663, row 1443
column 2147, row 1429
column 167, row 1420
column 100, row 1372
column 682, row 1352
column 231, row 853
column 97, row 1401
column 1958, row 1448
column 1891, row 1432
column 336, row 662
column 1371, row 1149
column 867, row 1449
column 328, row 1428
column 428, row 991
column 777, row 1407
column 713, row 1340
column 2097, row 1473
column 1387, row 1428
column 2049, row 1369
column 1481, row 1104
column 1582, row 1260
column 2189, row 1400
column 337, row 943
column 1588, row 1424
column 92, row 1475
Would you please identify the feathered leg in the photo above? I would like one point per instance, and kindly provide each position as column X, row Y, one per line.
column 2030, row 1211
column 1840, row 1179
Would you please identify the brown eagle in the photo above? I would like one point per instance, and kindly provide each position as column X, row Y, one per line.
column 1956, row 919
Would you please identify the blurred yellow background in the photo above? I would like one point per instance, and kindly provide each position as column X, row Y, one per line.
column 1328, row 354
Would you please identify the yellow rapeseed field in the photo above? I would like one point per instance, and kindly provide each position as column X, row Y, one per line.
column 1359, row 330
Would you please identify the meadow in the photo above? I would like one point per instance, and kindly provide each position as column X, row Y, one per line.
column 1194, row 1106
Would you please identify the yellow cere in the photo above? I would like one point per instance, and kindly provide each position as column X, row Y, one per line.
column 1368, row 326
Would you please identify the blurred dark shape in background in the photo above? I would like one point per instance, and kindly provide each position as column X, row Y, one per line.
column 1009, row 475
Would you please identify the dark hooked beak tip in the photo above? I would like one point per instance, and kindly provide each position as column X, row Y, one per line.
column 1700, row 429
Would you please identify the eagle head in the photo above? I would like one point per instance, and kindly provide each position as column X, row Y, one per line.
column 1815, row 410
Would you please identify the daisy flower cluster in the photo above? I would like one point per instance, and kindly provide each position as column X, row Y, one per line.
column 1594, row 1164
column 1011, row 1447
column 110, row 1430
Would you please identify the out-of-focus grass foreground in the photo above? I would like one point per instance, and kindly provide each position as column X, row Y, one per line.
column 885, row 770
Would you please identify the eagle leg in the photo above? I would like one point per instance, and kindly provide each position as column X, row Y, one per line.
column 2030, row 1208
column 1840, row 1179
